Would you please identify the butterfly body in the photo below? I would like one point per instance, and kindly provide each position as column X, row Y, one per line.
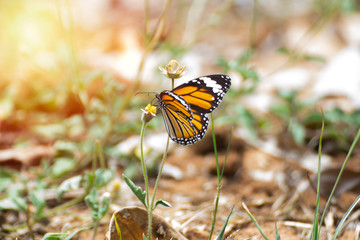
column 185, row 108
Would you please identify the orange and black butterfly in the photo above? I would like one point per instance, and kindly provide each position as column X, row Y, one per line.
column 185, row 108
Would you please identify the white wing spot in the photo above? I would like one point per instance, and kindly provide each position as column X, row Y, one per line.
column 212, row 84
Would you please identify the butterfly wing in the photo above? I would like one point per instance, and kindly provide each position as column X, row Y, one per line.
column 182, row 126
column 205, row 93
column 185, row 108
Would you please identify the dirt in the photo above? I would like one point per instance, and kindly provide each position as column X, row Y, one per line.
column 273, row 200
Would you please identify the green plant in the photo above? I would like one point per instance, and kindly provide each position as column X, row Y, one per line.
column 290, row 110
column 340, row 126
column 317, row 226
column 238, row 114
column 241, row 66
column 315, row 233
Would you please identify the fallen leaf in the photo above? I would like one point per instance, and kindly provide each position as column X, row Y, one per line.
column 349, row 181
column 27, row 156
column 132, row 222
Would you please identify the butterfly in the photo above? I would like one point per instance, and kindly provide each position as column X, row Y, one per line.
column 185, row 108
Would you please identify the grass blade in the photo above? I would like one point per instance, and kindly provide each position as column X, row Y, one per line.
column 222, row 231
column 316, row 230
column 339, row 226
column 277, row 235
column 219, row 174
column 339, row 176
column 254, row 221
column 118, row 230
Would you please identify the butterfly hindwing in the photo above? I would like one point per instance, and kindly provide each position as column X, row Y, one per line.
column 185, row 108
column 180, row 128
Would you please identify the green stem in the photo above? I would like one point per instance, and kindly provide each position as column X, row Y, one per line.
column 159, row 174
column 28, row 222
column 316, row 217
column 252, row 34
column 143, row 164
column 218, row 175
column 148, row 208
column 96, row 225
column 100, row 154
column 152, row 208
column 65, row 205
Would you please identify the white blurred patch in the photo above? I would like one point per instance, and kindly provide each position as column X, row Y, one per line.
column 289, row 79
column 350, row 28
column 266, row 176
column 172, row 172
column 309, row 161
column 341, row 76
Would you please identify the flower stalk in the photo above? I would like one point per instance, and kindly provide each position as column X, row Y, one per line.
column 173, row 71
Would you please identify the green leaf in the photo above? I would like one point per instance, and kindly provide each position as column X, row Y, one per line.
column 20, row 203
column 65, row 146
column 104, row 204
column 162, row 202
column 297, row 131
column 17, row 204
column 91, row 201
column 281, row 110
column 90, row 180
column 244, row 58
column 287, row 95
column 284, row 50
column 62, row 166
column 50, row 131
column 144, row 237
column 139, row 193
column 5, row 178
column 247, row 119
column 222, row 231
column 54, row 236
column 103, row 177
column 69, row 184
column 37, row 197
column 221, row 62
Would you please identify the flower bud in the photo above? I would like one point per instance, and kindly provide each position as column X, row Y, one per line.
column 173, row 70
column 148, row 113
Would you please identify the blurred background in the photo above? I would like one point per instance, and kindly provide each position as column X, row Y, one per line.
column 69, row 72
column 72, row 68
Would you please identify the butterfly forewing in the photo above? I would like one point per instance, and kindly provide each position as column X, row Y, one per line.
column 168, row 99
column 185, row 108
column 205, row 93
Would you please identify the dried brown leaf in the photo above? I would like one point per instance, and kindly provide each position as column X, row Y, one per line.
column 349, row 181
column 132, row 222
column 27, row 156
